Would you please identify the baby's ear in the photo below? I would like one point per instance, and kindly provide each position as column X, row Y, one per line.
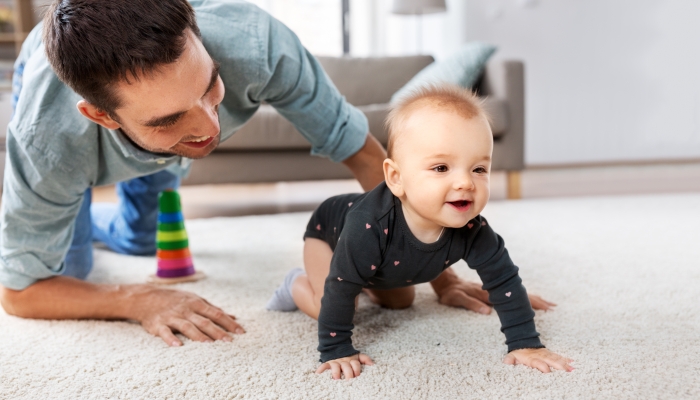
column 392, row 176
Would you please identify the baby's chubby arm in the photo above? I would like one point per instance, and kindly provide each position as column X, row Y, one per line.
column 350, row 367
column 354, row 261
column 486, row 253
column 542, row 359
column 510, row 300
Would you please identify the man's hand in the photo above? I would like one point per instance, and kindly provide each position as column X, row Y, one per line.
column 351, row 367
column 454, row 292
column 162, row 311
column 542, row 359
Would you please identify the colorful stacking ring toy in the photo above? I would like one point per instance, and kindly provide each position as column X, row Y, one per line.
column 173, row 253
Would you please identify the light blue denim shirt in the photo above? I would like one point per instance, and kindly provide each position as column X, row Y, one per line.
column 54, row 154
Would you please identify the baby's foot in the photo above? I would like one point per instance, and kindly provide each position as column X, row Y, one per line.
column 282, row 298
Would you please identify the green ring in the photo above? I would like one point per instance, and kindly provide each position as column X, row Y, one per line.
column 180, row 244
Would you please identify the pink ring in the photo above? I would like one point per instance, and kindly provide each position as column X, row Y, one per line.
column 175, row 264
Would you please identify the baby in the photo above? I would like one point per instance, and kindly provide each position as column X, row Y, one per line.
column 409, row 229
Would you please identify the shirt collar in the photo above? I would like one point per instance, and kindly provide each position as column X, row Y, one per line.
column 130, row 150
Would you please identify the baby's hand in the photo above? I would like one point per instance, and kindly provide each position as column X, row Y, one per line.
column 538, row 303
column 541, row 359
column 351, row 366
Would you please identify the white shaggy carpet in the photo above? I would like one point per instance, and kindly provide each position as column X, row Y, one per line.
column 624, row 270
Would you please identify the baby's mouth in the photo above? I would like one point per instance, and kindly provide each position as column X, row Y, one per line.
column 460, row 205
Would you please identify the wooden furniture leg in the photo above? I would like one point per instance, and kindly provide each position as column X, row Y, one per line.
column 514, row 185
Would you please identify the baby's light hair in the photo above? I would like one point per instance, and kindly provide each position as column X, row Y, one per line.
column 441, row 96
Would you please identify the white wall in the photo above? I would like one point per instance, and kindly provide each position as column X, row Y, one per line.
column 607, row 80
column 377, row 32
column 374, row 31
column 317, row 22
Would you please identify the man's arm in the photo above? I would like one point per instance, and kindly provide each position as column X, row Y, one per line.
column 160, row 311
column 366, row 164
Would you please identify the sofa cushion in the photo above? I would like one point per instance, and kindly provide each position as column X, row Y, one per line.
column 497, row 110
column 268, row 130
column 462, row 68
column 372, row 80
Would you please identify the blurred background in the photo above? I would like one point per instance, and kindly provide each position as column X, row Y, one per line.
column 611, row 89
column 607, row 81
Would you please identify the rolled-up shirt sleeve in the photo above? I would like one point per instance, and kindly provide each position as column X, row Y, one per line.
column 38, row 215
column 263, row 61
column 295, row 84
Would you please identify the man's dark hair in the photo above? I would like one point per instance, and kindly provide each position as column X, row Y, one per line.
column 93, row 44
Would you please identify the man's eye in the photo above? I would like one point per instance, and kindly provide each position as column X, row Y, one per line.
column 440, row 168
column 170, row 123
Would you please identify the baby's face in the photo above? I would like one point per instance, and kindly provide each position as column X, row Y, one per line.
column 444, row 163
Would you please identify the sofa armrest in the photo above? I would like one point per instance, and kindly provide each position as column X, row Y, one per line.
column 505, row 80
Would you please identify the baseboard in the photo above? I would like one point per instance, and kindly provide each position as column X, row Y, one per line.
column 611, row 179
column 560, row 181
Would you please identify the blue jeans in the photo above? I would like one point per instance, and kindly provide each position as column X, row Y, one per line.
column 127, row 228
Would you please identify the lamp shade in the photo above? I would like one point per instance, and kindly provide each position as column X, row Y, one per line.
column 418, row 7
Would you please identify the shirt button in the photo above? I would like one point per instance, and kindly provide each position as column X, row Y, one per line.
column 160, row 161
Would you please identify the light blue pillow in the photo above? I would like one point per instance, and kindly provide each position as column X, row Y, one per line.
column 462, row 68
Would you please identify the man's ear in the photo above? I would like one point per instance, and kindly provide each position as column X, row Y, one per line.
column 392, row 176
column 96, row 115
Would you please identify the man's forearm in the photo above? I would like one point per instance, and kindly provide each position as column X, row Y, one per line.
column 70, row 298
column 366, row 164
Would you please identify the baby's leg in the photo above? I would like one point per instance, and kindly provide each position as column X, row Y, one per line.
column 393, row 298
column 307, row 290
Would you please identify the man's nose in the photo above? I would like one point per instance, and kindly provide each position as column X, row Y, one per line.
column 209, row 120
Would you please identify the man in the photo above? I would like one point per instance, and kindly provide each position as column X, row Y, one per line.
column 151, row 90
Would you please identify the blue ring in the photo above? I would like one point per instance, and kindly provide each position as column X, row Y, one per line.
column 170, row 217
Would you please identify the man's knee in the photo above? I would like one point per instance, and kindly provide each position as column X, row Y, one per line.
column 123, row 236
column 141, row 246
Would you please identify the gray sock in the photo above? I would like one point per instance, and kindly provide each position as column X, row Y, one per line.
column 282, row 299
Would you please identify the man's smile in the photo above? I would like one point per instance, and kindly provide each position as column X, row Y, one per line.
column 199, row 142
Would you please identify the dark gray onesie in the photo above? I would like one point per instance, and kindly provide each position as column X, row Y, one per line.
column 374, row 248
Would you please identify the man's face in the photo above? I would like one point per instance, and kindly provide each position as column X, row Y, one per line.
column 175, row 110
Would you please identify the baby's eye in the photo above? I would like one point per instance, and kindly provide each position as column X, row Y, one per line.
column 480, row 170
column 440, row 168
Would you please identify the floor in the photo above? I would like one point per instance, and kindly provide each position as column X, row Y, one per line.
column 269, row 198
column 622, row 269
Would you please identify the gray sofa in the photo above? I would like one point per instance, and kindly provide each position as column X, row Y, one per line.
column 268, row 148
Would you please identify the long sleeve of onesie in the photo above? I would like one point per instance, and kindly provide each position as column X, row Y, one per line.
column 487, row 255
column 355, row 260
